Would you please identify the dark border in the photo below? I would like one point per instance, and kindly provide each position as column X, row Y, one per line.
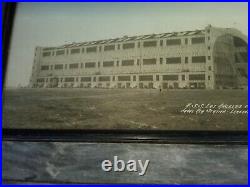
column 112, row 135
column 8, row 14
column 127, row 136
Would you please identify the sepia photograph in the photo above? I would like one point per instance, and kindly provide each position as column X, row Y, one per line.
column 142, row 93
column 163, row 66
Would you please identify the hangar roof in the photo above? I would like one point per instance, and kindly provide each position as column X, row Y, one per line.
column 129, row 38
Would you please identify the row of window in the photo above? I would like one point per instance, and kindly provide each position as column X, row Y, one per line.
column 131, row 45
column 191, row 77
column 131, row 62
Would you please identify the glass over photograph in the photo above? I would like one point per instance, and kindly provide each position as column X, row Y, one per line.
column 134, row 66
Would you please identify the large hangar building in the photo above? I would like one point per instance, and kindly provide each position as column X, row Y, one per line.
column 212, row 58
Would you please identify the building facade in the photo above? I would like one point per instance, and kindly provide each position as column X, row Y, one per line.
column 204, row 59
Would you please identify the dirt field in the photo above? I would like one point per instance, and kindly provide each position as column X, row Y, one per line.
column 119, row 109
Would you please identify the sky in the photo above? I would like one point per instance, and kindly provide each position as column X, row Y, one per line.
column 55, row 24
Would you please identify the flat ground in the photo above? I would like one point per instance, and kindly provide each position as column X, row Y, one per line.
column 119, row 109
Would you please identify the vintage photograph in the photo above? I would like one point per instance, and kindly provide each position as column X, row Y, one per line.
column 136, row 66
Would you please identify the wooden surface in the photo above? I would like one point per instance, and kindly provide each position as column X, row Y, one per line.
column 45, row 162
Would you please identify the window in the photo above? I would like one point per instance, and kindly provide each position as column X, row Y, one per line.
column 46, row 54
column 150, row 61
column 161, row 60
column 89, row 64
column 138, row 62
column 186, row 41
column 73, row 66
column 198, row 59
column 134, row 78
column 75, row 51
column 108, row 63
column 173, row 60
column 161, row 42
column 183, row 77
column 157, row 77
column 60, row 52
column 173, row 42
column 208, row 48
column 170, row 77
column 146, row 78
column 209, row 68
column 194, row 77
column 85, row 79
column 113, row 78
column 82, row 50
column 44, row 67
column 127, row 62
column 209, row 77
column 139, row 44
column 40, row 80
column 109, row 47
column 209, row 57
column 198, row 40
column 104, row 78
column 186, row 60
column 123, row 78
column 59, row 66
column 91, row 49
column 69, row 79
column 99, row 64
column 128, row 45
column 150, row 44
column 118, row 46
